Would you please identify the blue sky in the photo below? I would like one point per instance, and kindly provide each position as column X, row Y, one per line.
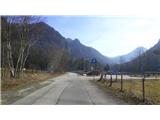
column 110, row 35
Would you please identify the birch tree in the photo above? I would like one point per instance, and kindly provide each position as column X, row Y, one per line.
column 25, row 29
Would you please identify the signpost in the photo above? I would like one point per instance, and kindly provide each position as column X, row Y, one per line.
column 93, row 62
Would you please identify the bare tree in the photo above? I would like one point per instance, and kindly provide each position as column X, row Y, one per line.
column 6, row 43
column 141, row 58
column 26, row 40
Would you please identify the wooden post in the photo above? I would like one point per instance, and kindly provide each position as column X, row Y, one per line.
column 143, row 88
column 105, row 77
column 116, row 77
column 110, row 81
column 121, row 82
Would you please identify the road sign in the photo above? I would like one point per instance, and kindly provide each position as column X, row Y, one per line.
column 93, row 61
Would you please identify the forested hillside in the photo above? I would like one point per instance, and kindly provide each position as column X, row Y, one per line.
column 148, row 61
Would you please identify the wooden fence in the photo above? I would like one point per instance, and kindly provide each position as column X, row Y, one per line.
column 145, row 85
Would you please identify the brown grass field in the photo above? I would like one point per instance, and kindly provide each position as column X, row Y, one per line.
column 14, row 89
column 28, row 79
column 134, row 88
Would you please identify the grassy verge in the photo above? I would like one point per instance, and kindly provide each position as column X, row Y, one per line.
column 132, row 91
column 14, row 89
column 28, row 79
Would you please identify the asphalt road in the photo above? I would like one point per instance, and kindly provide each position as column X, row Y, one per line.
column 70, row 89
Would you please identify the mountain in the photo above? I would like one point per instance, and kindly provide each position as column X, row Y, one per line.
column 50, row 38
column 152, row 58
column 155, row 47
column 78, row 50
column 55, row 52
column 149, row 61
column 130, row 56
column 49, row 50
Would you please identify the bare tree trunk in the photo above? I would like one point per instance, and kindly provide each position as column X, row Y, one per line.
column 26, row 56
column 9, row 56
column 21, row 62
column 4, row 66
column 3, row 59
column 121, row 82
column 18, row 62
column 110, row 80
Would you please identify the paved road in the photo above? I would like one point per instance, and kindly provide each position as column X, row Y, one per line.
column 70, row 89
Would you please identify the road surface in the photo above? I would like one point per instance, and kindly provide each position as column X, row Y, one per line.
column 70, row 89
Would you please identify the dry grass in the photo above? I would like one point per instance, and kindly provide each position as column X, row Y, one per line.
column 134, row 89
column 130, row 86
column 152, row 88
column 30, row 82
column 28, row 79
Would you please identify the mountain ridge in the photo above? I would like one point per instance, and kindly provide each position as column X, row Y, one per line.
column 150, row 61
column 78, row 50
column 52, row 38
column 129, row 56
